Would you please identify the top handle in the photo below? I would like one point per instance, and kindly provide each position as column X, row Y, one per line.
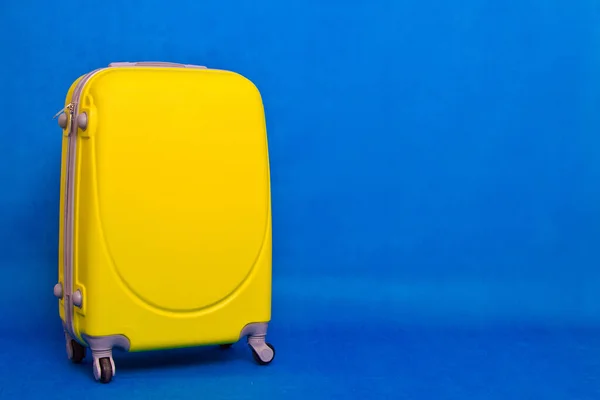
column 153, row 64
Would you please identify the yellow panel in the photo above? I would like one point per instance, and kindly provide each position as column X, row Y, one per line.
column 173, row 219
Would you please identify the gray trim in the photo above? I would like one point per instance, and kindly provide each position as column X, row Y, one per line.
column 154, row 64
column 63, row 120
column 255, row 329
column 58, row 291
column 77, row 299
column 82, row 121
column 106, row 343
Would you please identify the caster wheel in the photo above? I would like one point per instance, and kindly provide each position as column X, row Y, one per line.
column 106, row 370
column 77, row 353
column 226, row 346
column 262, row 361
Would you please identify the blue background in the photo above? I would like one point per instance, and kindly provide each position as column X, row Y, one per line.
column 436, row 194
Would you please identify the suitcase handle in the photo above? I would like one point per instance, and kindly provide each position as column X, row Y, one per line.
column 153, row 64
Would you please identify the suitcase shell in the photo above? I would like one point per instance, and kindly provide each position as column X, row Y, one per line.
column 165, row 235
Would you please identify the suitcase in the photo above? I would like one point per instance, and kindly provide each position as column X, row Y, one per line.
column 165, row 210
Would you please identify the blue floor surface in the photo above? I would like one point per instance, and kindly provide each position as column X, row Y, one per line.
column 378, row 362
column 343, row 352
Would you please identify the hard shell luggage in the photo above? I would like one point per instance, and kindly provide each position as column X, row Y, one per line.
column 165, row 234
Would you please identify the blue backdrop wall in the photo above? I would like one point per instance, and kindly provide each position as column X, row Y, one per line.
column 433, row 162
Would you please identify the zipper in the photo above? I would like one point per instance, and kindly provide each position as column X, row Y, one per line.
column 68, row 220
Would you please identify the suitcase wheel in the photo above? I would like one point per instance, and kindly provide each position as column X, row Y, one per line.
column 77, row 353
column 106, row 372
column 104, row 369
column 265, row 357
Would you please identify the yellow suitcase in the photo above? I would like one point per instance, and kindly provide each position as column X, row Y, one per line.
column 165, row 235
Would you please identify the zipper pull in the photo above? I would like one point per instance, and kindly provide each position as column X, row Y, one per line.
column 68, row 106
column 63, row 119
